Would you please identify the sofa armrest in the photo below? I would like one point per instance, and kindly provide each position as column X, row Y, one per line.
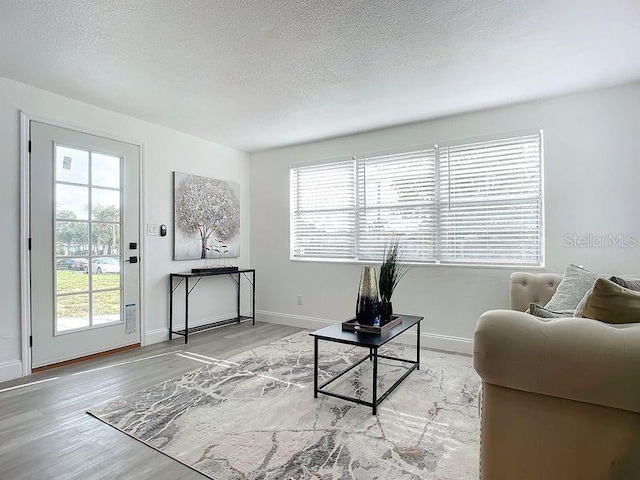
column 572, row 358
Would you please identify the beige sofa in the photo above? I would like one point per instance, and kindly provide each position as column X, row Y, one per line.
column 560, row 399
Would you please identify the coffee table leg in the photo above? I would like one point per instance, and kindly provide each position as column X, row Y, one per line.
column 418, row 348
column 375, row 381
column 315, row 367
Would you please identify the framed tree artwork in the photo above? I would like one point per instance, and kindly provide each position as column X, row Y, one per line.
column 206, row 217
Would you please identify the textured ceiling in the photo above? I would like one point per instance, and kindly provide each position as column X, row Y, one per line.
column 255, row 74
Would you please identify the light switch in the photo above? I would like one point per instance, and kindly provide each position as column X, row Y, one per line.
column 152, row 229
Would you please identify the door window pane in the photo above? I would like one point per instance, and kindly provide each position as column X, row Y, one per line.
column 72, row 238
column 106, row 307
column 72, row 312
column 71, row 275
column 105, row 205
column 72, row 203
column 105, row 238
column 105, row 273
column 72, row 165
column 105, row 170
column 105, row 265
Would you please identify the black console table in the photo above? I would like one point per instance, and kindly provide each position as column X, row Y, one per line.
column 236, row 275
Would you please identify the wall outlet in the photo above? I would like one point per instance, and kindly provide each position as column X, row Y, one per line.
column 152, row 229
column 300, row 299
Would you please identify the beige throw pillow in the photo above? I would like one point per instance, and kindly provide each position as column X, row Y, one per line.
column 611, row 303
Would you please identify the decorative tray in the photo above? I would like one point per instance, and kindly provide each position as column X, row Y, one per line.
column 214, row 270
column 352, row 325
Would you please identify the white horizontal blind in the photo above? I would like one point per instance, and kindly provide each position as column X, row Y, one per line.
column 473, row 203
column 490, row 202
column 396, row 198
column 323, row 210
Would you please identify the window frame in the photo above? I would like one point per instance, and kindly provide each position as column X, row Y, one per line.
column 436, row 147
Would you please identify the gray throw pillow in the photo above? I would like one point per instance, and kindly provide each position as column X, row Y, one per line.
column 575, row 284
column 541, row 312
column 627, row 283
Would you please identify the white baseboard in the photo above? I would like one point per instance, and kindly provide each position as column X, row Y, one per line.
column 162, row 334
column 10, row 370
column 156, row 336
column 427, row 340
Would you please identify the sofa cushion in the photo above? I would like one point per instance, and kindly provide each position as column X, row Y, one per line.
column 575, row 284
column 609, row 302
column 541, row 312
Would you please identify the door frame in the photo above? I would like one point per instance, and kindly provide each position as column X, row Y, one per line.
column 25, row 218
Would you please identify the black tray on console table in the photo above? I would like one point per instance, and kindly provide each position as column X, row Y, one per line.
column 215, row 270
column 352, row 325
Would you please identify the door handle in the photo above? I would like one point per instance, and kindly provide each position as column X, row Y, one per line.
column 132, row 260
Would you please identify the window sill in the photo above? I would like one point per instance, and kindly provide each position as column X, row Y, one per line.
column 526, row 267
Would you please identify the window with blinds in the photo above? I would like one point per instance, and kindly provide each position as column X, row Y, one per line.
column 463, row 203
column 397, row 196
column 323, row 213
column 490, row 202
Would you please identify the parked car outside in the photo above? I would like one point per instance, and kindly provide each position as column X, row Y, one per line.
column 77, row 264
column 105, row 265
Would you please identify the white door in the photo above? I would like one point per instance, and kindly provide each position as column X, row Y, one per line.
column 84, row 223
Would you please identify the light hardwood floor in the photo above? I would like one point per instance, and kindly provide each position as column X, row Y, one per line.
column 46, row 434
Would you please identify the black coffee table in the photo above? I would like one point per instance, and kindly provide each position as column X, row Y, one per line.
column 334, row 333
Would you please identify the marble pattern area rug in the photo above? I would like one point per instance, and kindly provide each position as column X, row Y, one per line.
column 253, row 416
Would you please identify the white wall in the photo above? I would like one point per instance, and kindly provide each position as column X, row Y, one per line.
column 165, row 150
column 592, row 162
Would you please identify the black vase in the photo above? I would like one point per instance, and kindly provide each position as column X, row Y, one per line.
column 386, row 312
column 368, row 304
